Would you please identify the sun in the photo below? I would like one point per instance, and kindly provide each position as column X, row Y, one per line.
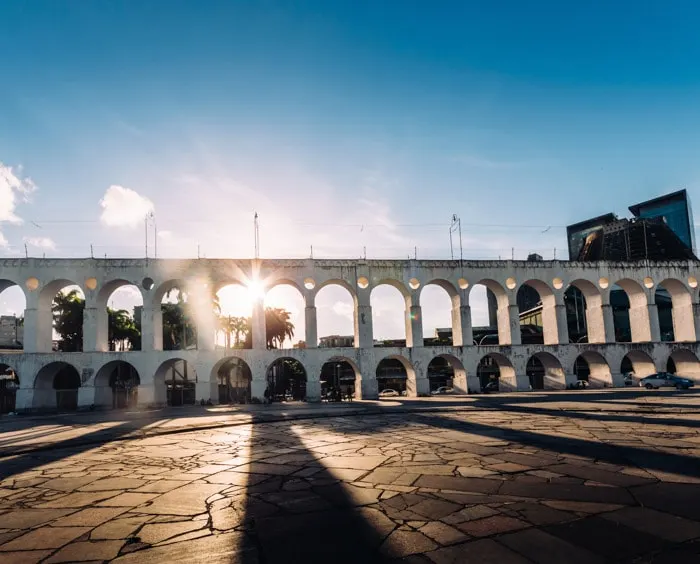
column 237, row 300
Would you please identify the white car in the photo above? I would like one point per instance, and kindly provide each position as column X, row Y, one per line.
column 442, row 390
column 388, row 393
column 665, row 380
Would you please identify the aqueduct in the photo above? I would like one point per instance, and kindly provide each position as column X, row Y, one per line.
column 95, row 368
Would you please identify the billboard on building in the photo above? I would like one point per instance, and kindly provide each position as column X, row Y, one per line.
column 586, row 237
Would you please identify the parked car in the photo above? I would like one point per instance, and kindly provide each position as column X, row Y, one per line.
column 629, row 379
column 490, row 387
column 442, row 390
column 581, row 384
column 388, row 393
column 665, row 380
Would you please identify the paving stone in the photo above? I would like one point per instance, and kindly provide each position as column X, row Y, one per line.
column 119, row 528
column 508, row 467
column 155, row 533
column 78, row 499
column 599, row 475
column 484, row 551
column 677, row 499
column 404, row 543
column 26, row 556
column 45, row 537
column 353, row 462
column 664, row 525
column 91, row 517
column 481, row 485
column 187, row 500
column 571, row 492
column 127, row 500
column 434, row 508
column 70, row 484
column 544, row 548
column 474, row 471
column 218, row 549
column 491, row 526
column 87, row 551
column 30, row 517
column 582, row 506
column 443, row 534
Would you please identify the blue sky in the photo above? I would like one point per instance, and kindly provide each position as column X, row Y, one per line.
column 328, row 116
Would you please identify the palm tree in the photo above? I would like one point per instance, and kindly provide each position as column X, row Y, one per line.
column 67, row 312
column 278, row 327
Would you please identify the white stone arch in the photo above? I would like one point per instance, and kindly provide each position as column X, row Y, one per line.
column 49, row 290
column 506, row 326
column 306, row 302
column 276, row 378
column 233, row 376
column 323, row 289
column 595, row 320
column 108, row 388
column 507, row 380
column 44, row 319
column 173, row 377
column 687, row 364
column 600, row 375
column 682, row 309
column 407, row 299
column 459, row 379
column 455, row 320
column 101, row 319
column 164, row 287
column 355, row 368
column 640, row 326
column 269, row 284
column 49, row 393
column 554, row 377
column 550, row 322
column 411, row 378
column 642, row 364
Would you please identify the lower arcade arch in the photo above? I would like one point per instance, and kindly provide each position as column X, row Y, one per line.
column 234, row 379
column 286, row 380
column 116, row 385
column 683, row 362
column 179, row 379
column 637, row 364
column 545, row 372
column 9, row 383
column 447, row 371
column 495, row 373
column 56, row 387
column 592, row 367
column 396, row 373
column 339, row 379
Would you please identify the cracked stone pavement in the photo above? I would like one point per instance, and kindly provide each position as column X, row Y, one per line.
column 518, row 483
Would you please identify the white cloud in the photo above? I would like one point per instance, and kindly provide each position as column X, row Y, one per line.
column 165, row 235
column 124, row 207
column 3, row 241
column 343, row 309
column 40, row 242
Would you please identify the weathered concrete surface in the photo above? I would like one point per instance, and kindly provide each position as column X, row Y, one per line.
column 533, row 477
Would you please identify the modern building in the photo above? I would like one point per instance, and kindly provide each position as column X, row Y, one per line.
column 661, row 229
column 11, row 332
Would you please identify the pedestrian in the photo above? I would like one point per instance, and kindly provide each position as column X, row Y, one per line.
column 267, row 395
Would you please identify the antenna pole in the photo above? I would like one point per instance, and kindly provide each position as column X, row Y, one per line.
column 145, row 223
column 257, row 236
column 459, row 224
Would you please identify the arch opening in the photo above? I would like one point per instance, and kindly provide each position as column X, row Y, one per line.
column 56, row 387
column 636, row 365
column 234, row 378
column 545, row 372
column 233, row 304
column 335, row 315
column 495, row 373
column 179, row 380
column 437, row 300
column 13, row 303
column 675, row 310
column 490, row 313
column 538, row 320
column 683, row 362
column 286, row 380
column 591, row 367
column 9, row 383
column 446, row 374
column 389, row 316
column 121, row 326
column 116, row 385
column 340, row 378
column 285, row 322
column 396, row 377
column 630, row 312
column 67, row 311
column 179, row 330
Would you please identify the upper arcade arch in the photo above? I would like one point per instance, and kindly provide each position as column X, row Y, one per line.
column 637, row 316
column 681, row 309
column 507, row 315
column 686, row 364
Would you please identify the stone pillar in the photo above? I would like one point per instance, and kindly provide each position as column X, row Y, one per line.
column 366, row 388
column 460, row 383
column 86, row 397
column 363, row 327
column 203, row 391
column 149, row 396
column 311, row 327
column 609, row 323
column 257, row 389
column 24, row 400
column 418, row 385
column 95, row 330
column 414, row 327
column 31, row 331
column 562, row 325
column 151, row 329
column 640, row 323
column 683, row 322
column 313, row 389
column 258, row 326
column 696, row 318
column 514, row 317
column 462, row 334
column 595, row 324
column 654, row 329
